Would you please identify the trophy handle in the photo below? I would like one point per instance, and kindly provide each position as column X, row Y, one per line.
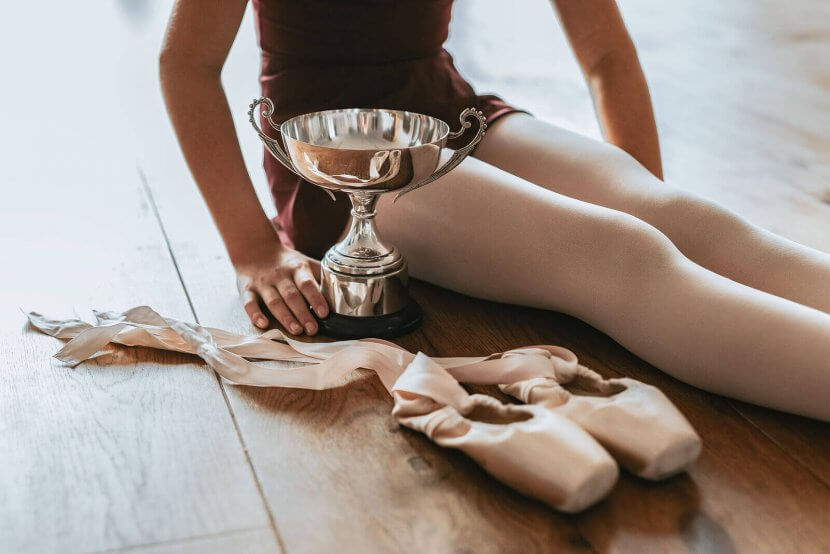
column 457, row 156
column 272, row 145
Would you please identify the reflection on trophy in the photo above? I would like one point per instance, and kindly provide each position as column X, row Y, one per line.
column 366, row 152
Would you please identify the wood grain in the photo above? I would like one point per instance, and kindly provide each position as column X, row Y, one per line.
column 806, row 440
column 137, row 446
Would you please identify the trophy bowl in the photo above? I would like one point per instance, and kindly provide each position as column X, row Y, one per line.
column 366, row 152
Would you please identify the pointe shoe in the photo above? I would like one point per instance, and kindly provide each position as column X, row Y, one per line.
column 635, row 422
column 532, row 449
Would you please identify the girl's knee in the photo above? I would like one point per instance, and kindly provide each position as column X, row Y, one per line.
column 634, row 251
column 696, row 212
column 623, row 260
column 697, row 225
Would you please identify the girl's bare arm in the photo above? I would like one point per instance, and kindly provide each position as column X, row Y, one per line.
column 196, row 45
column 609, row 61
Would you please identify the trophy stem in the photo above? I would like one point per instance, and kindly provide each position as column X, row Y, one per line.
column 364, row 204
column 364, row 280
column 362, row 241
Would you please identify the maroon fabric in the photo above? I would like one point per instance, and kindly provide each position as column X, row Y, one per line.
column 327, row 54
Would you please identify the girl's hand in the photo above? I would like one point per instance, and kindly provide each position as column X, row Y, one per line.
column 285, row 281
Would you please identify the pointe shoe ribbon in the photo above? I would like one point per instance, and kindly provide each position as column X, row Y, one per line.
column 540, row 375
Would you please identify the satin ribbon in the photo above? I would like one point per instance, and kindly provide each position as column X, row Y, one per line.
column 633, row 420
column 231, row 355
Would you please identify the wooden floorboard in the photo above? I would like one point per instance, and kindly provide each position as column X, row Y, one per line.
column 136, row 446
column 806, row 440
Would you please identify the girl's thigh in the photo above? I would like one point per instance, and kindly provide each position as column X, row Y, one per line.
column 704, row 231
column 490, row 234
column 575, row 165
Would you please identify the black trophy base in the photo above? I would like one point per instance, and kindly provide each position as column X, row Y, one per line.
column 380, row 326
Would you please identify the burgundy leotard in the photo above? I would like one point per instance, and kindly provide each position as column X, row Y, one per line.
column 326, row 54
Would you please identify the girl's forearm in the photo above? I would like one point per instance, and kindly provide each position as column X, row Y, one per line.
column 624, row 109
column 202, row 120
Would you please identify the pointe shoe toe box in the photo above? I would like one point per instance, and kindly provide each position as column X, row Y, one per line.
column 677, row 456
column 547, row 457
column 640, row 427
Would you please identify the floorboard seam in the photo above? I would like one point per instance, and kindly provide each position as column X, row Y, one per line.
column 780, row 446
column 152, row 202
column 178, row 540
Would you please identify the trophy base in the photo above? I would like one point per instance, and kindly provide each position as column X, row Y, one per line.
column 380, row 326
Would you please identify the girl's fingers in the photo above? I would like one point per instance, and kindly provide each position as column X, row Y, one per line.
column 304, row 279
column 276, row 304
column 251, row 305
column 297, row 304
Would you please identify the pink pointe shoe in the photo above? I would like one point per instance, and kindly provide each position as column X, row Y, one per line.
column 634, row 421
column 530, row 448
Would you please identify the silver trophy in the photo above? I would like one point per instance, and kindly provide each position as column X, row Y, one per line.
column 364, row 153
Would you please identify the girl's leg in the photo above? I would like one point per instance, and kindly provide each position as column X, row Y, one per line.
column 487, row 233
column 712, row 236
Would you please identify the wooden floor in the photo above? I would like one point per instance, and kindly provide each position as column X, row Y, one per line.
column 144, row 451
